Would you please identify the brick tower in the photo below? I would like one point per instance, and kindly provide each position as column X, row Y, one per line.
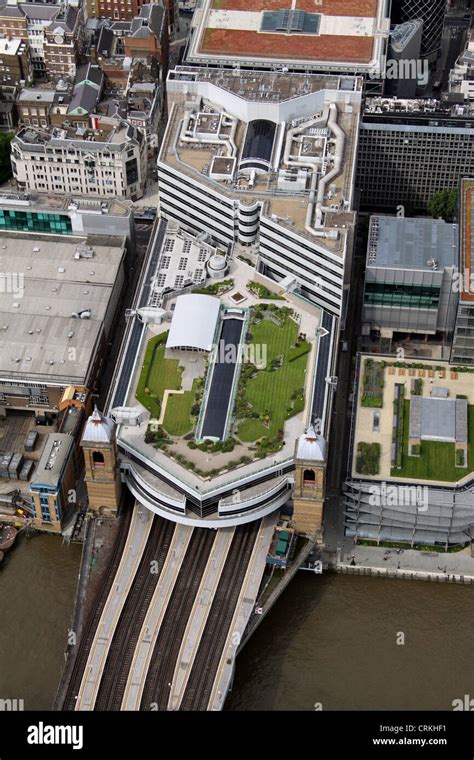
column 310, row 473
column 102, row 474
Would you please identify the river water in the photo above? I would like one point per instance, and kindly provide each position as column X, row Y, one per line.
column 332, row 640
column 329, row 640
column 37, row 587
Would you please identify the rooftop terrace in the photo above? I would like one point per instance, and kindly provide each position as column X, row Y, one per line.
column 175, row 390
column 324, row 33
column 414, row 422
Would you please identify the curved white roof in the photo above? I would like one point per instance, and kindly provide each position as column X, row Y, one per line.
column 311, row 446
column 98, row 429
column 194, row 322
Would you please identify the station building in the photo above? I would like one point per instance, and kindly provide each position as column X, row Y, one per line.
column 181, row 449
column 265, row 161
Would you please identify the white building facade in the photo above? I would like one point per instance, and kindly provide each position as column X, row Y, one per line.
column 293, row 207
column 62, row 163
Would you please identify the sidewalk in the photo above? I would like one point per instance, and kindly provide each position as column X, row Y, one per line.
column 406, row 561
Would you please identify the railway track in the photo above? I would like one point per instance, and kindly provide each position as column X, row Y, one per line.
column 92, row 622
column 156, row 690
column 127, row 632
column 201, row 679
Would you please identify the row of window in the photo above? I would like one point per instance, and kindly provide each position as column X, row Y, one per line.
column 316, row 292
column 36, row 222
column 315, row 261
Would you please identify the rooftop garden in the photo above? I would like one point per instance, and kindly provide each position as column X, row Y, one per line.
column 261, row 291
column 182, row 410
column 434, row 460
column 215, row 288
column 270, row 390
column 368, row 458
column 372, row 384
column 158, row 374
column 270, row 395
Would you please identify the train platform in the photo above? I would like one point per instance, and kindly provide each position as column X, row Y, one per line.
column 143, row 653
column 199, row 615
column 137, row 537
column 244, row 610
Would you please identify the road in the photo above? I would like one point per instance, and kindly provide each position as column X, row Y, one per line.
column 342, row 409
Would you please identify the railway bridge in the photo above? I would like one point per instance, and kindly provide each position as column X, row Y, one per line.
column 164, row 631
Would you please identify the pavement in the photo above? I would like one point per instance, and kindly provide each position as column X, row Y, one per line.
column 408, row 560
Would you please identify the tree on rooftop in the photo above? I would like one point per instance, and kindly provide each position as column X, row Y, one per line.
column 444, row 204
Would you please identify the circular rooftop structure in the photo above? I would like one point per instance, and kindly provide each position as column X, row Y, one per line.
column 217, row 266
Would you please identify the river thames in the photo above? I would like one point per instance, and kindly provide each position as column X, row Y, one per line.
column 330, row 641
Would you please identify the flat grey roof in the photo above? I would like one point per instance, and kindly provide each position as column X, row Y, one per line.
column 40, row 95
column 40, row 340
column 438, row 419
column 403, row 243
column 51, row 463
column 29, row 343
column 42, row 258
column 33, row 201
column 56, row 299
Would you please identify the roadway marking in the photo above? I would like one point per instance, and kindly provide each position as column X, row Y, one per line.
column 138, row 533
column 243, row 610
column 154, row 617
column 199, row 615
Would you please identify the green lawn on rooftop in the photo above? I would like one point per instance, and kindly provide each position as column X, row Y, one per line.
column 271, row 391
column 436, row 460
column 177, row 420
column 158, row 374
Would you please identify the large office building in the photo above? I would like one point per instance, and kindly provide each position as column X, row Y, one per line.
column 432, row 13
column 266, row 161
column 463, row 340
column 342, row 37
column 409, row 276
column 411, row 149
column 185, row 453
column 82, row 161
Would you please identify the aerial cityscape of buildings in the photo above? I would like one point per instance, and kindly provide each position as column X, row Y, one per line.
column 236, row 314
